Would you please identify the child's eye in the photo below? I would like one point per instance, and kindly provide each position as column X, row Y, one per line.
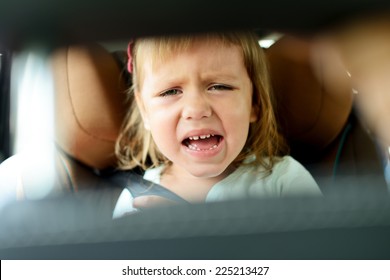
column 220, row 87
column 170, row 92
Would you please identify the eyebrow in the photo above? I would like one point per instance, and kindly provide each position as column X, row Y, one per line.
column 208, row 77
column 218, row 75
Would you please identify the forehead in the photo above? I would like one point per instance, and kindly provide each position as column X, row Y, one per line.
column 158, row 50
column 212, row 52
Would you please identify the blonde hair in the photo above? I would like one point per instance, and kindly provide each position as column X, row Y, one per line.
column 135, row 146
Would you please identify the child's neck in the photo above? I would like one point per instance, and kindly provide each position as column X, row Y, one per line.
column 191, row 188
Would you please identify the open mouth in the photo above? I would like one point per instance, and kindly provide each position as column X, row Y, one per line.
column 205, row 142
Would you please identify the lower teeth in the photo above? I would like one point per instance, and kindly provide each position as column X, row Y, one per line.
column 195, row 148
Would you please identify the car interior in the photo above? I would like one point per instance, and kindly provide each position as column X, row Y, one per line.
column 90, row 89
column 319, row 120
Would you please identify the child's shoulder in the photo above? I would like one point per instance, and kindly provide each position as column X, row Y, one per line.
column 285, row 169
column 294, row 177
column 287, row 177
column 288, row 163
column 281, row 164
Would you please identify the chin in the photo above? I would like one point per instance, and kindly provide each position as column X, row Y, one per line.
column 206, row 172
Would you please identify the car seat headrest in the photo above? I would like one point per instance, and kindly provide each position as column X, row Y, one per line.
column 90, row 103
column 312, row 102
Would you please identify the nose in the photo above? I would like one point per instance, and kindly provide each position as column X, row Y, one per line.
column 196, row 105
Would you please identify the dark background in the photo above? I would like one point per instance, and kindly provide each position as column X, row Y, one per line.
column 64, row 20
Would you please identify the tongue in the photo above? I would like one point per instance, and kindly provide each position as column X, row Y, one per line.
column 204, row 144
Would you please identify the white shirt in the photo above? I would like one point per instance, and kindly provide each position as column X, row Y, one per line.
column 288, row 178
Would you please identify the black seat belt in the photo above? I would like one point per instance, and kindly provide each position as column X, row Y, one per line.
column 138, row 186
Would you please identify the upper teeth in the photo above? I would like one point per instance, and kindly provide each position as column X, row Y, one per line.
column 200, row 137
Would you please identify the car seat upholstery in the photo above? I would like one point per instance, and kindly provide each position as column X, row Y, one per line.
column 89, row 103
column 90, row 86
column 315, row 109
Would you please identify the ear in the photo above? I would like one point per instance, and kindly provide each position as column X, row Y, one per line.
column 142, row 110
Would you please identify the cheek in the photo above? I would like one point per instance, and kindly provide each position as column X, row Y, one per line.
column 163, row 130
column 240, row 128
column 159, row 123
column 240, row 110
column 236, row 122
